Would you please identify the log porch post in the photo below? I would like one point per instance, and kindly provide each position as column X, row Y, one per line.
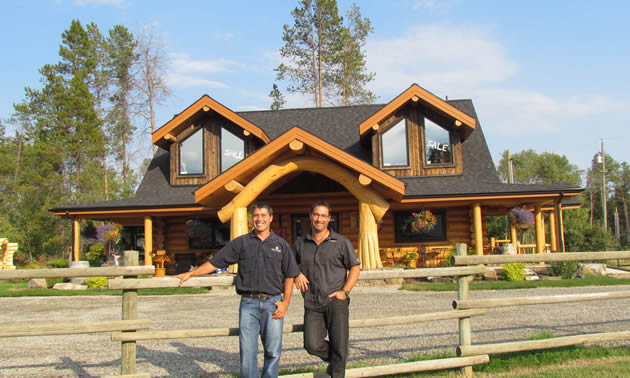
column 477, row 227
column 238, row 227
column 514, row 236
column 148, row 240
column 553, row 229
column 540, row 230
column 76, row 234
column 368, row 239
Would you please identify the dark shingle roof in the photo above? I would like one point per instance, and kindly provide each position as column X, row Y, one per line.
column 339, row 126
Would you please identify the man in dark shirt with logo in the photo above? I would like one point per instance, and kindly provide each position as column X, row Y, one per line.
column 265, row 277
column 325, row 257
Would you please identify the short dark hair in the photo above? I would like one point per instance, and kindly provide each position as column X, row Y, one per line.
column 262, row 205
column 321, row 203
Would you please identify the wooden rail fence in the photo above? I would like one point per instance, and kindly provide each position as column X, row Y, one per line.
column 129, row 329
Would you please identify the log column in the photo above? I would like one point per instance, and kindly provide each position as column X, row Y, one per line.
column 238, row 227
column 368, row 239
column 148, row 240
column 478, row 231
column 553, row 228
column 540, row 230
column 76, row 234
column 514, row 237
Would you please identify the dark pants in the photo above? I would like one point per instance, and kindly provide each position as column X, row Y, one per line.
column 334, row 321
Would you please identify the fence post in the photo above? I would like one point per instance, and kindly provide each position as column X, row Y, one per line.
column 129, row 312
column 463, row 289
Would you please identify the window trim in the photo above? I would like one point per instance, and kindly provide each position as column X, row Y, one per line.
column 425, row 164
column 408, row 165
column 203, row 154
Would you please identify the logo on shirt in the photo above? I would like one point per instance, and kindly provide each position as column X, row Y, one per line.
column 276, row 249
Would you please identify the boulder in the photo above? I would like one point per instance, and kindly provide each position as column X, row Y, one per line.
column 68, row 286
column 530, row 275
column 592, row 270
column 78, row 281
column 37, row 283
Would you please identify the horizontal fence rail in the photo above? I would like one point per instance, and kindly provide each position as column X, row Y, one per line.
column 556, row 342
column 26, row 274
column 547, row 299
column 408, row 367
column 532, row 258
column 228, row 280
column 289, row 328
column 71, row 328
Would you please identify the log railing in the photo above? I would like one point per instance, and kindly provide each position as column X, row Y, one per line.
column 464, row 303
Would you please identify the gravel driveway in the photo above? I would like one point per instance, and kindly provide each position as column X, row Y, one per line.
column 96, row 355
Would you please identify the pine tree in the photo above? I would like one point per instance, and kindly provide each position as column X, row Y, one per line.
column 277, row 97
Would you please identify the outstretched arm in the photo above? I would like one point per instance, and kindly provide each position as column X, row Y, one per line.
column 205, row 268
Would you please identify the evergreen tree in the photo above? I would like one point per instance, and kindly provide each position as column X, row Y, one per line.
column 277, row 97
column 310, row 48
column 123, row 56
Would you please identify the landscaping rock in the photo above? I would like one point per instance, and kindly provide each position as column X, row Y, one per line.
column 592, row 270
column 37, row 283
column 530, row 275
column 491, row 275
column 78, row 281
column 68, row 286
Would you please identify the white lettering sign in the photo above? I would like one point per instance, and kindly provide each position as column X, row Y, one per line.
column 437, row 146
column 233, row 154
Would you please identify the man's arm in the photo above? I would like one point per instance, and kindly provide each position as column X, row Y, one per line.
column 283, row 305
column 353, row 277
column 205, row 268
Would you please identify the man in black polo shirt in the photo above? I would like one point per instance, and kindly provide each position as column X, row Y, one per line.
column 325, row 257
column 266, row 271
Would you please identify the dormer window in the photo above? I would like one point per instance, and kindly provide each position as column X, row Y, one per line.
column 394, row 145
column 191, row 154
column 439, row 149
column 232, row 149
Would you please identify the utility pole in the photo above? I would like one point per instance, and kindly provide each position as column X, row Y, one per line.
column 604, row 206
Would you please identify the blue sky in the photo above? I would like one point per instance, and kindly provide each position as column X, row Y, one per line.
column 551, row 76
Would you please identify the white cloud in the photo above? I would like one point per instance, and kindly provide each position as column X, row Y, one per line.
column 184, row 64
column 452, row 59
column 180, row 80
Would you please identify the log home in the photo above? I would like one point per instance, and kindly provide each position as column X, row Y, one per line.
column 376, row 165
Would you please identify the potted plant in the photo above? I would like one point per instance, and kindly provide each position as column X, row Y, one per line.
column 411, row 258
column 521, row 217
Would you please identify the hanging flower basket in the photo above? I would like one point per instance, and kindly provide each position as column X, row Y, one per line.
column 521, row 217
column 108, row 234
column 423, row 220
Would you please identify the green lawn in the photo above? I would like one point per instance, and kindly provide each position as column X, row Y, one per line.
column 20, row 289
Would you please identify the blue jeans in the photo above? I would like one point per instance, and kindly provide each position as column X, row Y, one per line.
column 255, row 318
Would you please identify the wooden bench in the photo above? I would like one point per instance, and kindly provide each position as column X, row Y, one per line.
column 7, row 251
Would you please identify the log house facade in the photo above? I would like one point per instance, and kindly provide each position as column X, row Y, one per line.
column 375, row 165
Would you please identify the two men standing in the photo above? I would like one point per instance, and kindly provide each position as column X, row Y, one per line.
column 266, row 274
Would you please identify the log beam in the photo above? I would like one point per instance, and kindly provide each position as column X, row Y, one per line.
column 234, row 187
column 170, row 137
column 364, row 180
column 296, row 146
column 246, row 133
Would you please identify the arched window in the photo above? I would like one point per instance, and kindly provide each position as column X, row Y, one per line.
column 232, row 149
column 438, row 146
column 191, row 154
column 394, row 145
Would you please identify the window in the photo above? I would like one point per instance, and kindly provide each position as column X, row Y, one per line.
column 439, row 149
column 191, row 154
column 232, row 149
column 207, row 234
column 404, row 233
column 394, row 145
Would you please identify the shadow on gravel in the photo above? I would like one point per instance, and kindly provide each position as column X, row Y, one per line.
column 186, row 360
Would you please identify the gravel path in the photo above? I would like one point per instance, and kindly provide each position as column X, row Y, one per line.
column 96, row 355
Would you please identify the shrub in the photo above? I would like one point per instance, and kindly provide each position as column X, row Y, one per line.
column 50, row 282
column 564, row 269
column 94, row 282
column 95, row 254
column 513, row 272
column 59, row 263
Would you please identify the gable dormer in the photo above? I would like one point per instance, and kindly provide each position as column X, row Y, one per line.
column 417, row 134
column 205, row 140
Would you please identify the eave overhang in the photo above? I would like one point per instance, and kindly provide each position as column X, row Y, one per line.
column 415, row 93
column 166, row 134
column 539, row 198
column 283, row 147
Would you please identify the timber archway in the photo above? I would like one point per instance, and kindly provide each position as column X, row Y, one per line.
column 372, row 206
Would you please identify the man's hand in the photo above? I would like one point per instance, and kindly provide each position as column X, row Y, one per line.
column 281, row 309
column 301, row 282
column 183, row 277
column 341, row 295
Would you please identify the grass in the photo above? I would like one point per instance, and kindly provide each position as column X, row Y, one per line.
column 503, row 285
column 20, row 289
